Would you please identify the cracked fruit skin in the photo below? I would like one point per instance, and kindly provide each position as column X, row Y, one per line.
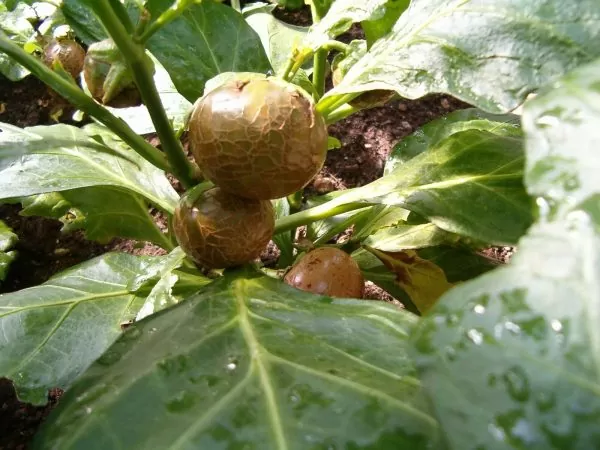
column 219, row 230
column 68, row 53
column 258, row 138
column 327, row 271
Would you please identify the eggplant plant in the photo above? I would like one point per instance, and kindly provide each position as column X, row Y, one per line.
column 206, row 348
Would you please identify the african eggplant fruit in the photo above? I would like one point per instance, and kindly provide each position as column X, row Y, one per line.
column 327, row 271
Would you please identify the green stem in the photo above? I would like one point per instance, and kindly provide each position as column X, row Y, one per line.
column 166, row 17
column 328, row 105
column 79, row 99
column 287, row 73
column 341, row 113
column 320, row 57
column 336, row 45
column 135, row 55
column 319, row 68
column 122, row 14
column 320, row 212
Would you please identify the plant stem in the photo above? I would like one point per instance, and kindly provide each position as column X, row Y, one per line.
column 166, row 17
column 319, row 68
column 320, row 58
column 235, row 4
column 122, row 14
column 328, row 105
column 287, row 73
column 320, row 212
column 341, row 113
column 79, row 99
column 135, row 55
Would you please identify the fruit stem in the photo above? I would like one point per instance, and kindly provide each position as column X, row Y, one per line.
column 166, row 17
column 136, row 58
column 68, row 90
column 329, row 209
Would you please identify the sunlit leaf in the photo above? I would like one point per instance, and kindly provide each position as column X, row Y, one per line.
column 527, row 334
column 251, row 362
column 54, row 158
column 52, row 332
column 491, row 55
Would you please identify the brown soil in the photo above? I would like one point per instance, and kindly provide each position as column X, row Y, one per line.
column 367, row 138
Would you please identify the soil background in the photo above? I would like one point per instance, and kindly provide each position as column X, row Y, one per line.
column 367, row 138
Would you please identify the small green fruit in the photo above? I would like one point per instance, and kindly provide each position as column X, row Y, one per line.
column 258, row 138
column 219, row 230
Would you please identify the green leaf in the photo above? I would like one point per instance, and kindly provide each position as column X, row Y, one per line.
column 8, row 239
column 208, row 39
column 15, row 25
column 404, row 236
column 85, row 24
column 432, row 133
column 250, row 362
column 285, row 240
column 469, row 184
column 489, row 55
column 103, row 212
column 278, row 38
column 161, row 277
column 54, row 158
column 377, row 28
column 51, row 333
column 341, row 16
column 527, row 334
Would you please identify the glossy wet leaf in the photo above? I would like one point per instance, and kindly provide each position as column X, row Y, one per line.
column 527, row 334
column 491, row 55
column 469, row 183
column 102, row 212
column 432, row 133
column 52, row 332
column 8, row 239
column 251, row 362
column 278, row 38
column 54, row 158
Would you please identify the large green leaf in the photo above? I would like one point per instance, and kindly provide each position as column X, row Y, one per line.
column 490, row 55
column 7, row 241
column 51, row 333
column 208, row 39
column 103, row 212
column 512, row 359
column 469, row 183
column 250, row 362
column 54, row 158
